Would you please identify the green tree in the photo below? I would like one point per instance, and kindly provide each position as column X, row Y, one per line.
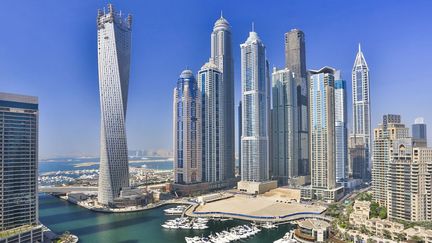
column 383, row 213
column 417, row 238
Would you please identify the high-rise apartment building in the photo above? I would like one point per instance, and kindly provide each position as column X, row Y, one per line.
column 114, row 44
column 421, row 184
column 409, row 182
column 284, row 135
column 357, row 167
column 19, row 131
column 390, row 118
column 399, row 180
column 187, row 130
column 322, row 134
column 384, row 138
column 255, row 110
column 322, row 128
column 295, row 61
column 361, row 103
column 239, row 135
column 341, row 133
column 419, row 132
column 210, row 86
column 222, row 57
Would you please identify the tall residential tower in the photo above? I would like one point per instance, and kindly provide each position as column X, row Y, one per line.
column 361, row 103
column 341, row 133
column 255, row 110
column 19, row 131
column 187, row 130
column 114, row 43
column 322, row 135
column 210, row 86
column 284, row 135
column 221, row 56
column 385, row 135
column 295, row 61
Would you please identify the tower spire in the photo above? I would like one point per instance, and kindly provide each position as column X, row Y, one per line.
column 221, row 14
column 253, row 26
column 359, row 46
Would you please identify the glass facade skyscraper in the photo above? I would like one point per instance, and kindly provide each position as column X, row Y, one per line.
column 210, row 85
column 295, row 61
column 255, row 110
column 187, row 130
column 19, row 131
column 322, row 128
column 221, row 56
column 341, row 134
column 419, row 132
column 361, row 103
column 284, row 130
column 114, row 43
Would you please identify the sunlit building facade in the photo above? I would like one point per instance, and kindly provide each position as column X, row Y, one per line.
column 187, row 130
column 19, row 131
column 284, row 149
column 114, row 44
column 255, row 110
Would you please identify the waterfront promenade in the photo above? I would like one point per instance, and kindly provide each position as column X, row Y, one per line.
column 258, row 209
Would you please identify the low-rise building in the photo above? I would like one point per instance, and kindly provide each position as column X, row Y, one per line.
column 312, row 230
column 418, row 233
column 360, row 214
column 255, row 187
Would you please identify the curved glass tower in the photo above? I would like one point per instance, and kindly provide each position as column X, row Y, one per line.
column 255, row 110
column 114, row 40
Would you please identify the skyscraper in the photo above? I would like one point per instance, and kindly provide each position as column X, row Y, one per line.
column 19, row 131
column 239, row 134
column 295, row 61
column 341, row 134
column 221, row 55
column 384, row 138
column 255, row 110
column 284, row 126
column 357, row 167
column 361, row 102
column 210, row 85
column 187, row 130
column 114, row 43
column 419, row 132
column 322, row 132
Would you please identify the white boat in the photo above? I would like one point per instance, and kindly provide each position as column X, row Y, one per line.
column 177, row 210
column 269, row 225
column 288, row 238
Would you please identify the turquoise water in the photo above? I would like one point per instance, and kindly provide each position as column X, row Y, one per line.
column 90, row 226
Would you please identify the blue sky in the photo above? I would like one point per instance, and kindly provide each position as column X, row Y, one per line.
column 48, row 49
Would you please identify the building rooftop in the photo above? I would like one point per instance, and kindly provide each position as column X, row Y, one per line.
column 18, row 98
column 314, row 224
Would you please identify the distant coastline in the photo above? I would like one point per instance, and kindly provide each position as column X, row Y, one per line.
column 94, row 160
column 86, row 164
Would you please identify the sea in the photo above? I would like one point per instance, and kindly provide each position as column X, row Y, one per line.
column 68, row 164
column 145, row 226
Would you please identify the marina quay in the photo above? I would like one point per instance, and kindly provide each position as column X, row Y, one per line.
column 261, row 208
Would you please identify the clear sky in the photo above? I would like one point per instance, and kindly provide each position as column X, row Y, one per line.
column 48, row 49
